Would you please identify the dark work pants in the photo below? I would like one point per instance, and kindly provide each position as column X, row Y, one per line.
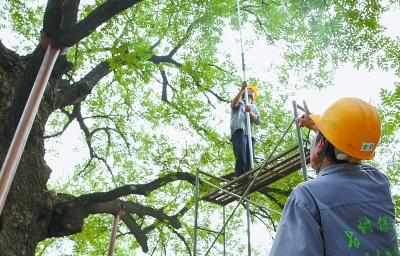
column 241, row 150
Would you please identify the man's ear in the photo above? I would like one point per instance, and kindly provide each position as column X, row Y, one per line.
column 320, row 146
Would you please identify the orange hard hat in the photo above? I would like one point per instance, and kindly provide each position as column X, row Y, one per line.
column 252, row 87
column 352, row 125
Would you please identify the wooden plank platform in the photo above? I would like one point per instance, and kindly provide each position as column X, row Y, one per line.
column 280, row 166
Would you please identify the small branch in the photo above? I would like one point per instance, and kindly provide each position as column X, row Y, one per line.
column 82, row 125
column 183, row 240
column 71, row 118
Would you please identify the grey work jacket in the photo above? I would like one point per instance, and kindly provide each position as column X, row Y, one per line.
column 347, row 210
column 238, row 117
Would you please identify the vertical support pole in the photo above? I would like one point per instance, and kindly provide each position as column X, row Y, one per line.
column 196, row 209
column 241, row 40
column 301, row 147
column 250, row 141
column 223, row 219
column 248, row 229
column 25, row 124
column 249, row 135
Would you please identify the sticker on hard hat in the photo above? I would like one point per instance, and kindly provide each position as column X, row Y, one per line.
column 367, row 146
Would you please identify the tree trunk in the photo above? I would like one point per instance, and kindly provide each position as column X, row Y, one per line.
column 28, row 207
column 27, row 215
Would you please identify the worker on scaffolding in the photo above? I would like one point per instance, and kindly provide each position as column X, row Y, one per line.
column 238, row 127
column 348, row 208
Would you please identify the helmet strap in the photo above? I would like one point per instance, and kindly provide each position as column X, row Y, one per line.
column 322, row 155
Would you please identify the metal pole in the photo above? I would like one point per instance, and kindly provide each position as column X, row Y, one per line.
column 114, row 233
column 249, row 137
column 223, row 221
column 248, row 229
column 196, row 208
column 241, row 41
column 248, row 123
column 301, row 147
column 25, row 124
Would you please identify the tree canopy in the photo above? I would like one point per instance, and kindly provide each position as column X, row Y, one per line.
column 148, row 84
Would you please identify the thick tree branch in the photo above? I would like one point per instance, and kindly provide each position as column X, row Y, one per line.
column 60, row 18
column 8, row 59
column 70, row 212
column 136, row 231
column 70, row 94
column 89, row 200
column 165, row 84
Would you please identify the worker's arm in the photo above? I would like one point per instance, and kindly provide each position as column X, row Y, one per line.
column 298, row 231
column 254, row 116
column 237, row 98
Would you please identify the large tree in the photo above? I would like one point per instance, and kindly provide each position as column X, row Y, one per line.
column 139, row 74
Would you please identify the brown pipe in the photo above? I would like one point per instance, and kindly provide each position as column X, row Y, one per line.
column 114, row 232
column 25, row 124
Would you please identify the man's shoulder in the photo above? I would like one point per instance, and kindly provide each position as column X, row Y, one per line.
column 308, row 188
column 368, row 167
column 241, row 102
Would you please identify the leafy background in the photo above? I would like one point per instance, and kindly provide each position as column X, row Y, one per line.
column 142, row 126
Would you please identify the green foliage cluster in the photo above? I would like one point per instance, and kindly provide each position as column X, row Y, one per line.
column 390, row 110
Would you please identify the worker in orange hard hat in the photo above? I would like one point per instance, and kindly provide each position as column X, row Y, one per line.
column 238, row 126
column 348, row 208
